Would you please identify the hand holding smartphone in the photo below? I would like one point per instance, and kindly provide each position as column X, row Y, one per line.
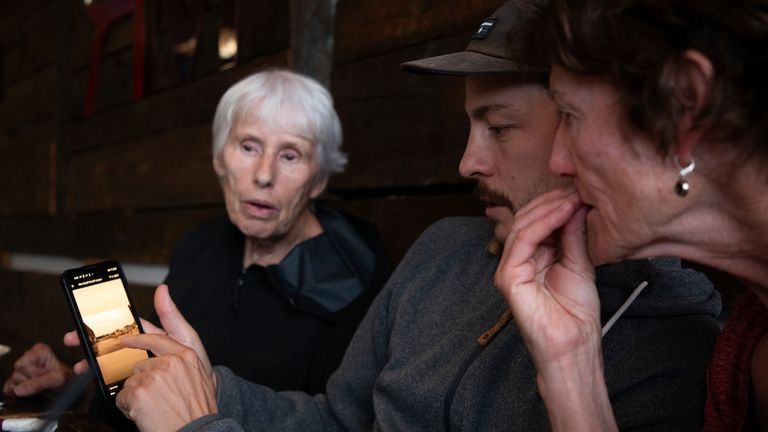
column 103, row 315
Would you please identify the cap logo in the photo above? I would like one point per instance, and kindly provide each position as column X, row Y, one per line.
column 484, row 29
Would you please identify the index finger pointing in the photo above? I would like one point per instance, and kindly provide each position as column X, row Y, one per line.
column 159, row 344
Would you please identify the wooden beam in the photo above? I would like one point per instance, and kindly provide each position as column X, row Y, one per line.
column 25, row 163
column 29, row 99
column 148, row 236
column 171, row 168
column 137, row 236
column 27, row 39
column 312, row 26
column 399, row 128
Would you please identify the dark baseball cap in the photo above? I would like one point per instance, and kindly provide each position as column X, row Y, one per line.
column 489, row 50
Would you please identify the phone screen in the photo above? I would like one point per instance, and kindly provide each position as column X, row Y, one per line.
column 106, row 317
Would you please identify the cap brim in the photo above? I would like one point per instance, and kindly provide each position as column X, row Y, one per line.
column 461, row 63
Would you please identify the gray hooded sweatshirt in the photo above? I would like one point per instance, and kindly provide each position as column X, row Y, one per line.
column 415, row 363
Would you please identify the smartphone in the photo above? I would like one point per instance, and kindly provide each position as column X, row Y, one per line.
column 103, row 315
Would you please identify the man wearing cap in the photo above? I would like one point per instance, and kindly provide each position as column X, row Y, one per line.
column 438, row 349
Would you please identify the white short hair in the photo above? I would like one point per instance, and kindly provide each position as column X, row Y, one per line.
column 286, row 101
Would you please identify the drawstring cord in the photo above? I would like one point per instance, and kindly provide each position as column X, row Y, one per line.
column 624, row 307
column 486, row 338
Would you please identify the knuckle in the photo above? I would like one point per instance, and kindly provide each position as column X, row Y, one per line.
column 150, row 378
column 172, row 361
column 189, row 355
column 141, row 392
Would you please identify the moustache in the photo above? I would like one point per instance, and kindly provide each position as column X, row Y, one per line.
column 488, row 195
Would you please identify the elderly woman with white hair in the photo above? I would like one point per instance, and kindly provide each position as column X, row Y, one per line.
column 276, row 287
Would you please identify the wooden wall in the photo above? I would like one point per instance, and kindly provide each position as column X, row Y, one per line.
column 128, row 180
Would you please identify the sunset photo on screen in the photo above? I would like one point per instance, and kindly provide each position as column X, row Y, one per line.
column 107, row 316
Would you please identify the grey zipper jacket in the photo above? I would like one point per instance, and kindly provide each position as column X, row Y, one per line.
column 415, row 364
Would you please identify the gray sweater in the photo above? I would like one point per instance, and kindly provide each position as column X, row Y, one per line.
column 414, row 363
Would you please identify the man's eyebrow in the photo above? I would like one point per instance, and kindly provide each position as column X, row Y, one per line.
column 481, row 111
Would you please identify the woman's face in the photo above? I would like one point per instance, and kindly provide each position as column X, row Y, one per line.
column 267, row 177
column 617, row 169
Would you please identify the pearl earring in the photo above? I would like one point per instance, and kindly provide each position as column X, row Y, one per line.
column 682, row 186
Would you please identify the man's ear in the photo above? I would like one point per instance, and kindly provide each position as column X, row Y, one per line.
column 318, row 188
column 218, row 166
column 695, row 80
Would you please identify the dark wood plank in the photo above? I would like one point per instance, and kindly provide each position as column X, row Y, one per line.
column 168, row 169
column 114, row 87
column 29, row 99
column 149, row 236
column 135, row 236
column 369, row 27
column 13, row 11
column 193, row 103
column 26, row 154
column 400, row 128
column 28, row 42
column 401, row 219
column 262, row 28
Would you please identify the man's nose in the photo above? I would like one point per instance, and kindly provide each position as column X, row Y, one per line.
column 474, row 163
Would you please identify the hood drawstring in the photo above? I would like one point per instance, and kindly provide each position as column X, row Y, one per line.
column 624, row 307
column 486, row 338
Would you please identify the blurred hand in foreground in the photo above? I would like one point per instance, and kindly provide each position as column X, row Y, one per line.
column 37, row 370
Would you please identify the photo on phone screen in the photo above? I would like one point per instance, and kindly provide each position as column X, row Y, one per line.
column 104, row 316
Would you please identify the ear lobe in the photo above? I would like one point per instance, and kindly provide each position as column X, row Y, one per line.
column 218, row 166
column 318, row 188
column 696, row 78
